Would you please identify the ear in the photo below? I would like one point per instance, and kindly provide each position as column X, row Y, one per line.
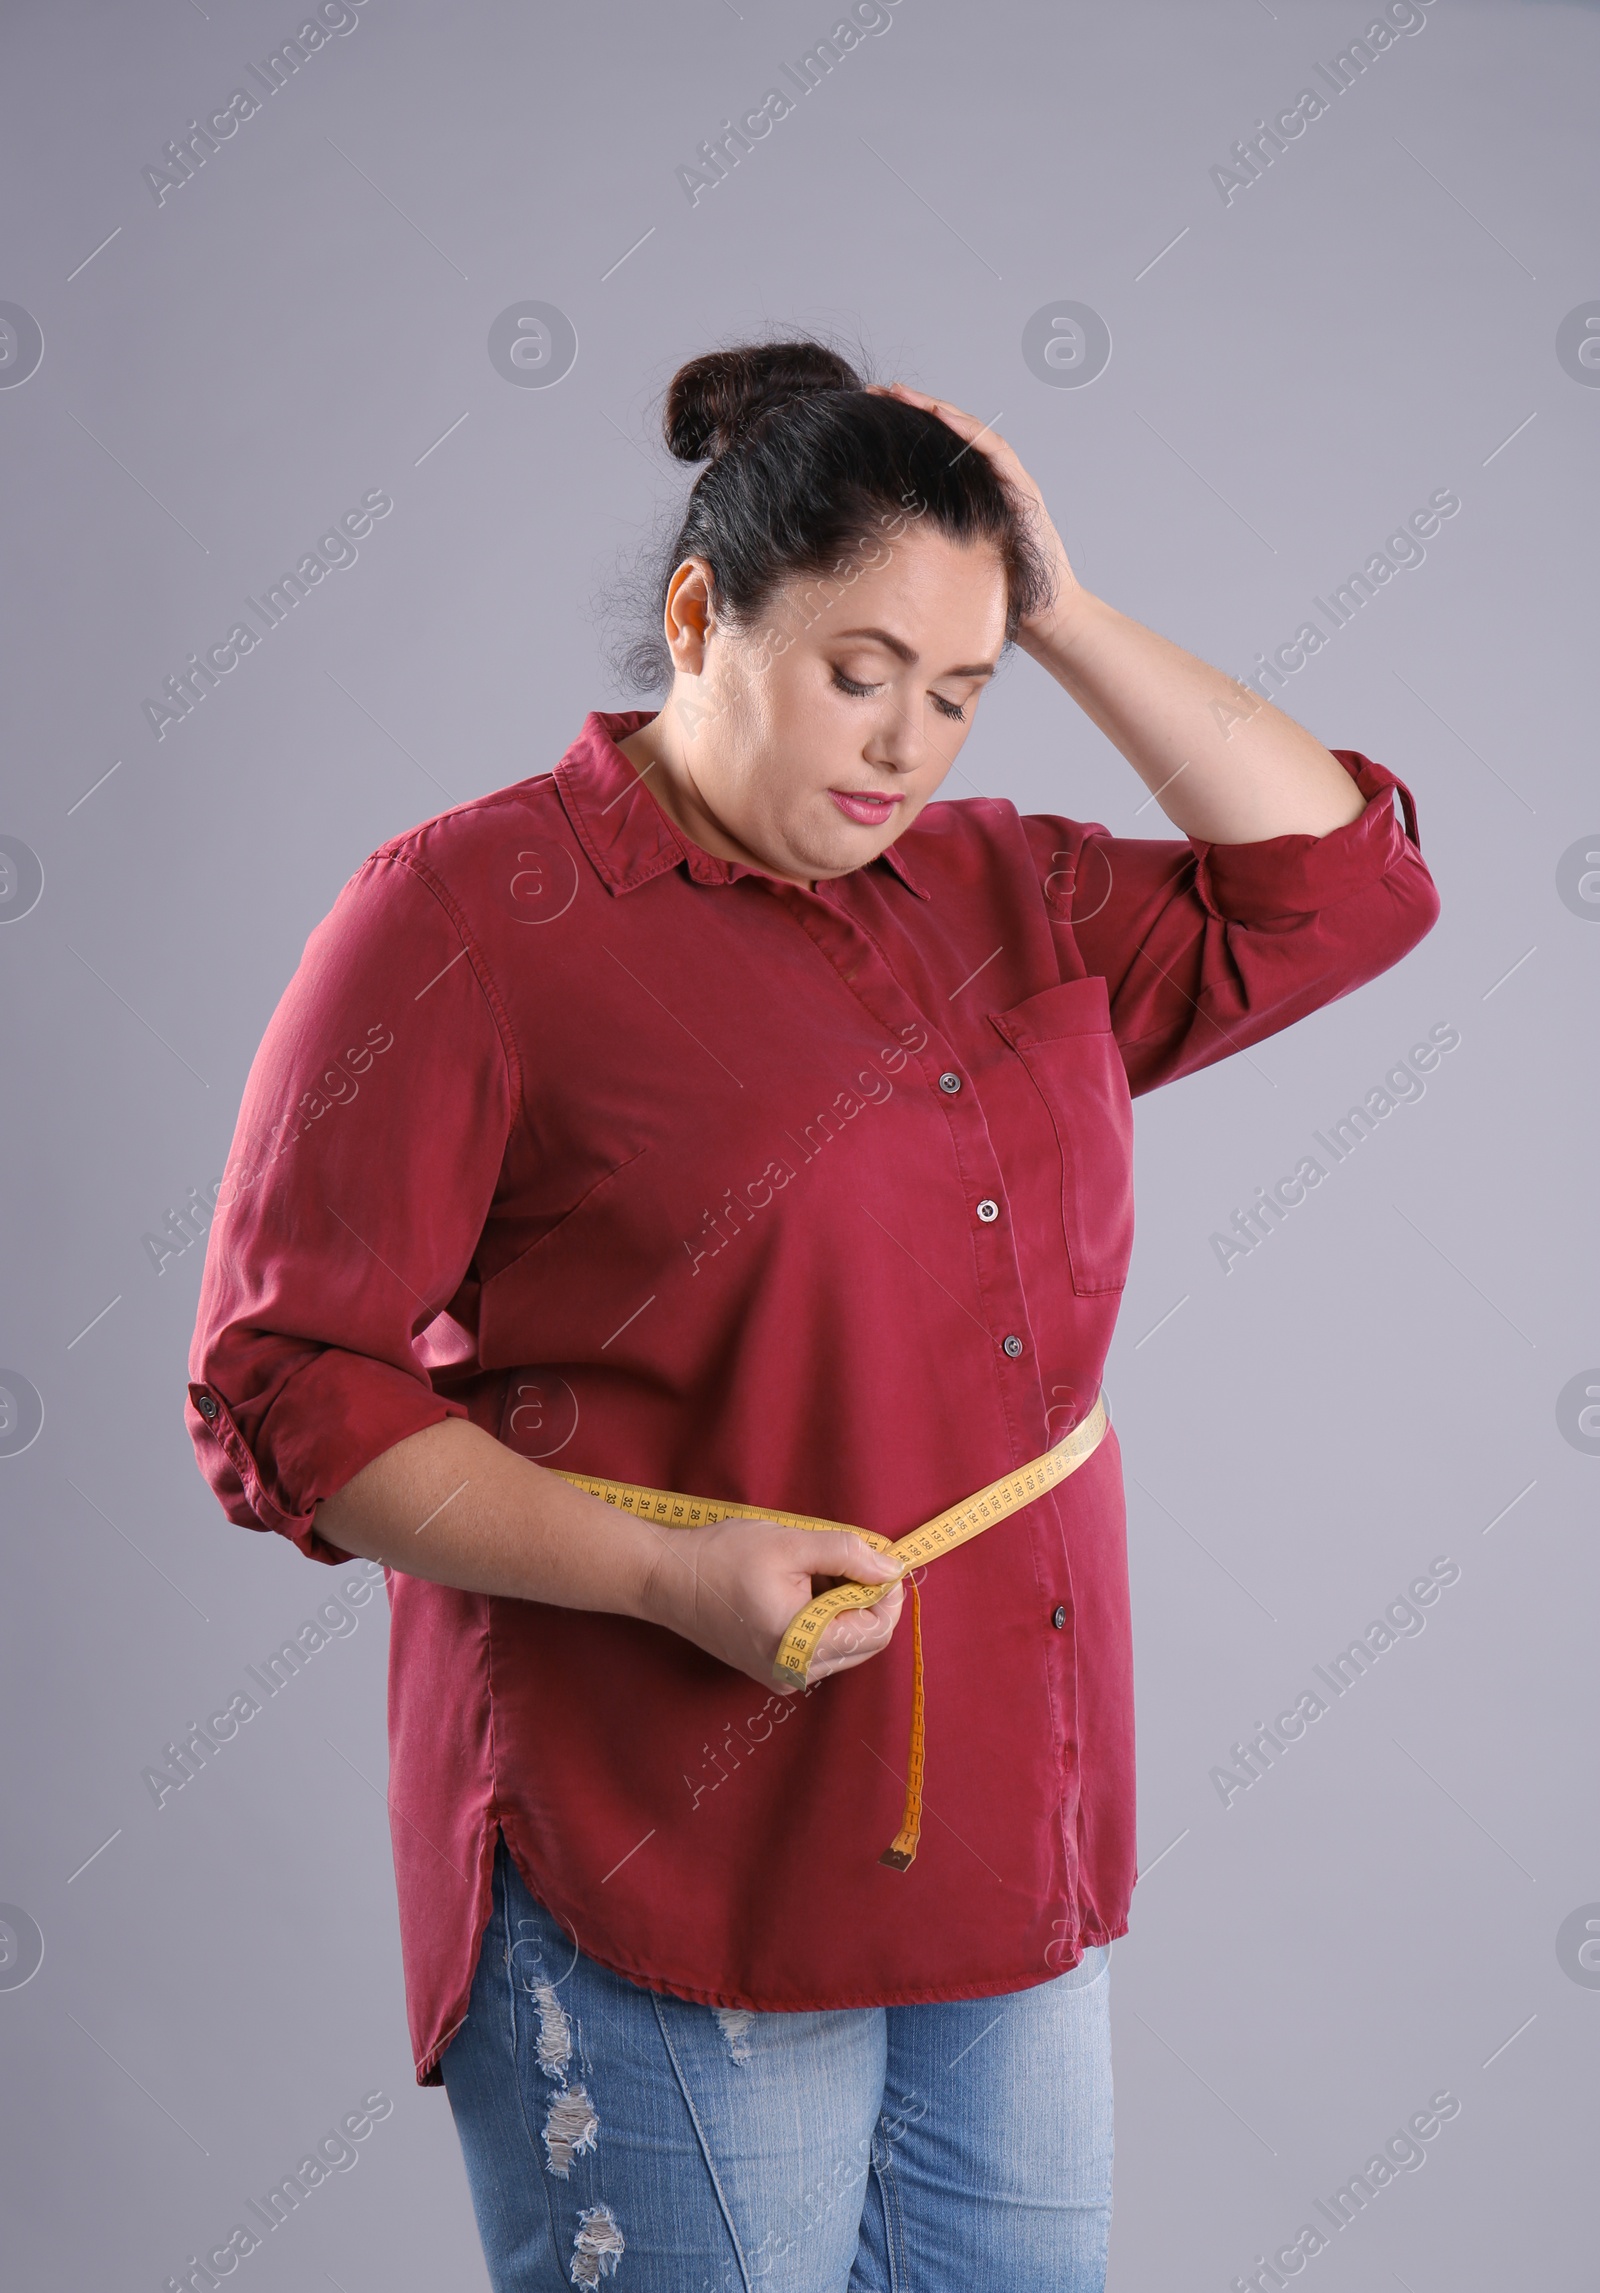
column 690, row 615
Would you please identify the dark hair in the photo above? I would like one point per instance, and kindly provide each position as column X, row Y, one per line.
column 803, row 464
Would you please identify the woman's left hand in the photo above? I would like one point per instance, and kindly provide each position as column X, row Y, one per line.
column 1021, row 487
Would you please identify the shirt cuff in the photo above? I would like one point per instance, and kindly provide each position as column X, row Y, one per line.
column 337, row 1414
column 1284, row 876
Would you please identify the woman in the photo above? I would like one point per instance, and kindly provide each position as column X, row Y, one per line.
column 712, row 1115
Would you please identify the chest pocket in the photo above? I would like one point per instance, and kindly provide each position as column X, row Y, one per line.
column 1063, row 1038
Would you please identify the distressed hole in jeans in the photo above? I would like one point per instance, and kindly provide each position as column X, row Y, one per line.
column 597, row 2246
column 736, row 2023
column 571, row 2127
column 555, row 2031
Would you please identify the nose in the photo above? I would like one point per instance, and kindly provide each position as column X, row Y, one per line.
column 896, row 743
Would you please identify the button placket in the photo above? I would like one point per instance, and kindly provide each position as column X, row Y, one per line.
column 863, row 966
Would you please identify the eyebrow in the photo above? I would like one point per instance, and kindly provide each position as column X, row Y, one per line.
column 899, row 647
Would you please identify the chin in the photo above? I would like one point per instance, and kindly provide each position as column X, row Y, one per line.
column 846, row 843
column 837, row 855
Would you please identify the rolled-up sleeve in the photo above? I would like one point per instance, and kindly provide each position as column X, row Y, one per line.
column 1208, row 948
column 367, row 1153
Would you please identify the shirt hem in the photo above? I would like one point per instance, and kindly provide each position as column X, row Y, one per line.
column 428, row 2072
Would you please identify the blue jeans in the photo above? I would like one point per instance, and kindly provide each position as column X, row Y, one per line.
column 611, row 2130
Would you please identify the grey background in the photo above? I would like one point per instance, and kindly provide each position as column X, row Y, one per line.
column 1375, row 318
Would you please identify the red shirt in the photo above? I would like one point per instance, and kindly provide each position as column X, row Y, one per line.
column 658, row 1166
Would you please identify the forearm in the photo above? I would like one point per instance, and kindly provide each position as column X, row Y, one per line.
column 453, row 1505
column 1223, row 763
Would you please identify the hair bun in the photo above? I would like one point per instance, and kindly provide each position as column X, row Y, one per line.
column 713, row 400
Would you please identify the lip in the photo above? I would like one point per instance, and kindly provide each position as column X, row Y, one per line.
column 867, row 808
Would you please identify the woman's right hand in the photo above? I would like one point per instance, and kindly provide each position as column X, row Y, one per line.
column 735, row 1587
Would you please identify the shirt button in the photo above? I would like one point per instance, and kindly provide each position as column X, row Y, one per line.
column 988, row 1210
column 1058, row 1617
column 1012, row 1346
column 207, row 1408
column 950, row 1083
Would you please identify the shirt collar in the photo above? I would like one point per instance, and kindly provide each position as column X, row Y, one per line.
column 624, row 830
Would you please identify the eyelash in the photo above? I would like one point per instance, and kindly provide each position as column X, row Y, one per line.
column 946, row 708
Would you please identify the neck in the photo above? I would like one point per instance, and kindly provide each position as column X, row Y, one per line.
column 656, row 751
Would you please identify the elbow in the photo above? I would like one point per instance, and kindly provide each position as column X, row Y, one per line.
column 1414, row 906
column 1393, row 926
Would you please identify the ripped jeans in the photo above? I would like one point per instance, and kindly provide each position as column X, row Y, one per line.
column 616, row 2133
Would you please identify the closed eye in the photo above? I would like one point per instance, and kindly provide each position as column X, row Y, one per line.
column 858, row 691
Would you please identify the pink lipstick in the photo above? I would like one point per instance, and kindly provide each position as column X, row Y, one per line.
column 871, row 811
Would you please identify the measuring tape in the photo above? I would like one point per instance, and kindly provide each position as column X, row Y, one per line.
column 666, row 1508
